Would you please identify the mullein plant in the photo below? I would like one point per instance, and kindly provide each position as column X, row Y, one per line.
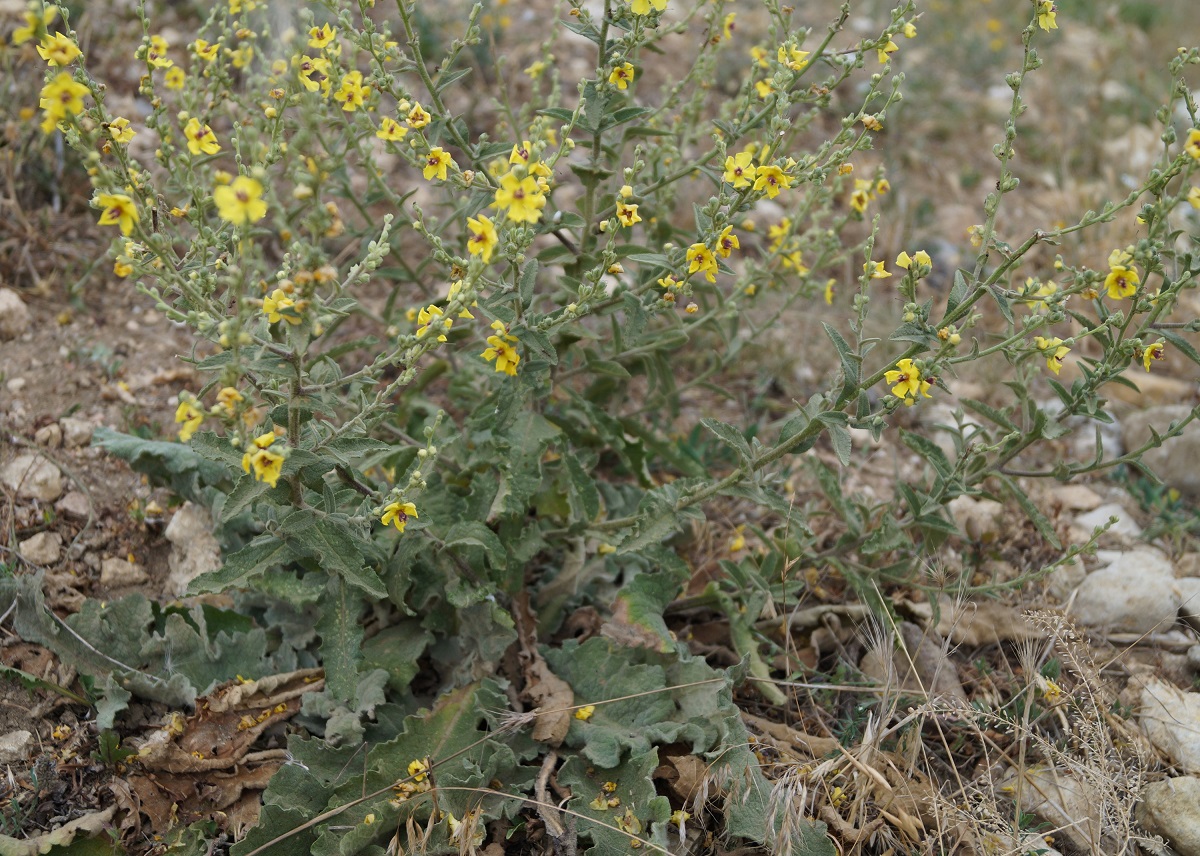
column 441, row 346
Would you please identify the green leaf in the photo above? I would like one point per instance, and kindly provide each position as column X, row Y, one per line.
column 448, row 78
column 850, row 361
column 928, row 450
column 729, row 435
column 175, row 465
column 959, row 292
column 585, row 498
column 341, row 638
column 1003, row 302
column 329, row 543
column 839, row 436
column 475, row 534
column 243, row 495
column 999, row 417
column 259, row 556
column 559, row 113
column 623, row 115
column 528, row 280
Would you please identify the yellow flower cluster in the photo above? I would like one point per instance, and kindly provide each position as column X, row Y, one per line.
column 907, row 382
column 500, row 349
column 259, row 459
column 522, row 190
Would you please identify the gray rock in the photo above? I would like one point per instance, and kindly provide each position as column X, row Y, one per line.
column 76, row 432
column 1066, row 801
column 1175, row 460
column 116, row 573
column 1189, row 600
column 1171, row 808
column 33, row 477
column 1135, row 593
column 74, row 504
column 15, row 746
column 14, row 316
column 44, row 548
column 1170, row 718
column 49, row 436
column 1063, row 580
column 925, row 668
column 1125, row 524
column 194, row 550
column 978, row 519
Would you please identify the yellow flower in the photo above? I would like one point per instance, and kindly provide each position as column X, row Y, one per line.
column 280, row 306
column 35, row 25
column 627, row 214
column 417, row 117
column 739, row 169
column 319, row 37
column 500, row 348
column 353, row 92
column 727, row 242
column 906, row 382
column 890, row 48
column 535, row 70
column 759, row 55
column 228, row 399
column 240, row 58
column 191, row 417
column 240, row 202
column 521, row 199
column 621, row 76
column 1046, row 12
column 267, row 465
column 175, row 78
column 910, row 30
column 118, row 210
column 436, row 164
column 764, row 89
column 642, row 7
column 205, row 51
column 483, row 238
column 61, row 98
column 156, row 53
column 792, row 57
column 1038, row 291
column 921, row 258
column 1054, row 350
column 1192, row 145
column 701, row 259
column 122, row 269
column 1152, row 353
column 1122, row 281
column 829, row 284
column 307, row 66
column 882, row 186
column 200, row 138
column 391, row 130
column 430, row 314
column 876, row 270
column 1193, row 197
column 669, row 282
column 520, row 153
column 120, row 131
column 399, row 513
column 727, row 25
column 585, row 713
column 771, row 179
column 58, row 49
